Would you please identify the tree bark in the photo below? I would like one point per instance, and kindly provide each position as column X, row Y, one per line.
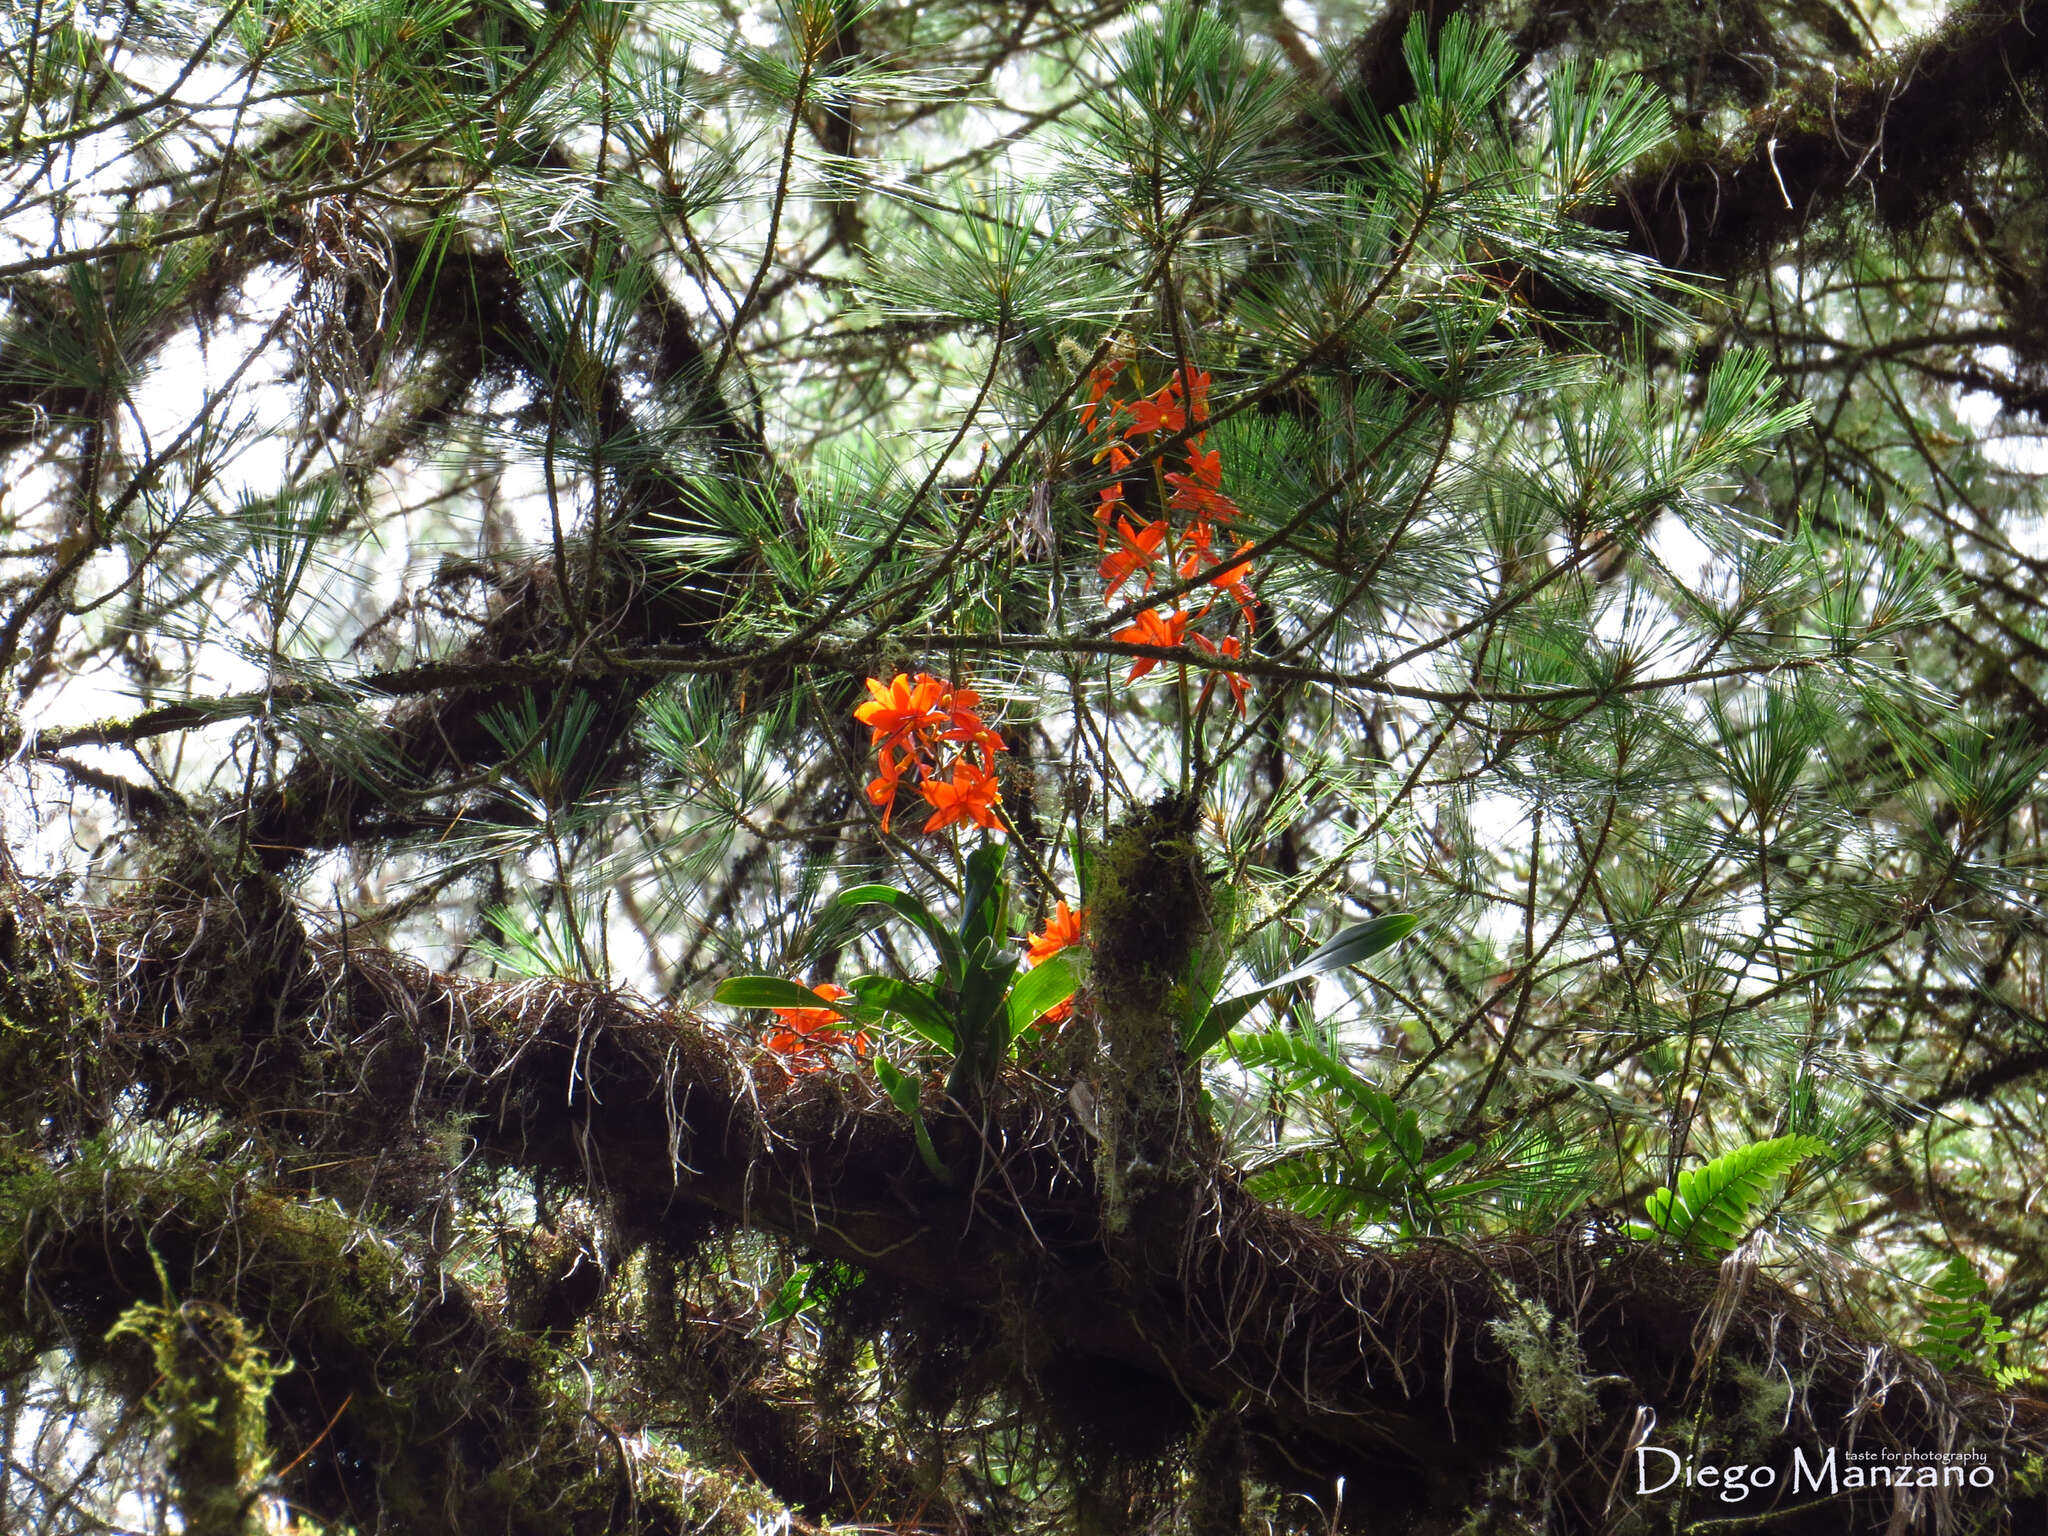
column 1340, row 1359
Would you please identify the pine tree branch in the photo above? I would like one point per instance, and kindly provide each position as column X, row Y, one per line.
column 404, row 1395
column 1896, row 133
column 1371, row 1363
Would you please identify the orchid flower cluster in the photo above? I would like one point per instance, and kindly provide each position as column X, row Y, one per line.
column 805, row 1037
column 931, row 730
column 1186, row 547
column 921, row 729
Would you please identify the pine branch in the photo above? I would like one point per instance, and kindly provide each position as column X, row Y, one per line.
column 1369, row 1361
column 1893, row 136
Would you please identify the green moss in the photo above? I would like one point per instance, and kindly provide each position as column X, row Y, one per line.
column 696, row 1499
column 432, row 1396
column 1152, row 906
column 1761, row 1400
column 1151, row 901
column 50, row 1017
column 212, row 1384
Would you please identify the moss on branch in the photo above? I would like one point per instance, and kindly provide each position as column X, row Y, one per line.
column 1375, row 1364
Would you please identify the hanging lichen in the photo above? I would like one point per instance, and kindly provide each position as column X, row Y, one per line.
column 1550, row 1374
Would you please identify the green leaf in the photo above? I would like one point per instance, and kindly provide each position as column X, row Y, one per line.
column 982, row 917
column 1295, row 1060
column 1960, row 1328
column 793, row 1298
column 1355, row 944
column 1321, row 1183
column 1219, row 1022
column 771, row 992
column 806, row 1287
column 906, row 1002
column 1451, row 1194
column 901, row 1088
column 903, row 904
column 1457, row 1157
column 1211, row 957
column 1713, row 1207
column 1046, row 986
column 982, row 1026
column 903, row 1093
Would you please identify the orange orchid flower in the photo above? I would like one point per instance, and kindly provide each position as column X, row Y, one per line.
column 1151, row 629
column 912, row 723
column 807, row 1034
column 1061, row 930
column 898, row 710
column 1208, row 505
column 1235, row 580
column 807, row 1021
column 966, row 725
column 1107, row 510
column 1098, row 385
column 1200, row 491
column 970, row 795
column 882, row 789
column 1237, row 573
column 1140, row 547
column 1205, row 467
column 1156, row 413
column 1189, row 546
column 1240, row 685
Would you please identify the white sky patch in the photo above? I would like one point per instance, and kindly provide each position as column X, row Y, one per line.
column 2000, row 441
column 1684, row 553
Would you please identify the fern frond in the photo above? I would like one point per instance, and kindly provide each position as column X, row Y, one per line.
column 1294, row 1062
column 1713, row 1208
column 1960, row 1329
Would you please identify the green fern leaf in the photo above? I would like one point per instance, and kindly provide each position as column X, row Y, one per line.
column 1294, row 1061
column 1714, row 1206
column 1960, row 1328
column 1331, row 1187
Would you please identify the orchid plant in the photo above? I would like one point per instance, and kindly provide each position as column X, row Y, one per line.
column 930, row 733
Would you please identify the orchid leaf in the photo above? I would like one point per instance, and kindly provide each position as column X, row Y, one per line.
column 981, row 1028
column 1357, row 943
column 1051, row 983
column 905, row 905
column 983, row 898
column 772, row 992
column 903, row 1093
column 905, row 1003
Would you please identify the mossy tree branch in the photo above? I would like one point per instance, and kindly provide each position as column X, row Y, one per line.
column 1374, row 1365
